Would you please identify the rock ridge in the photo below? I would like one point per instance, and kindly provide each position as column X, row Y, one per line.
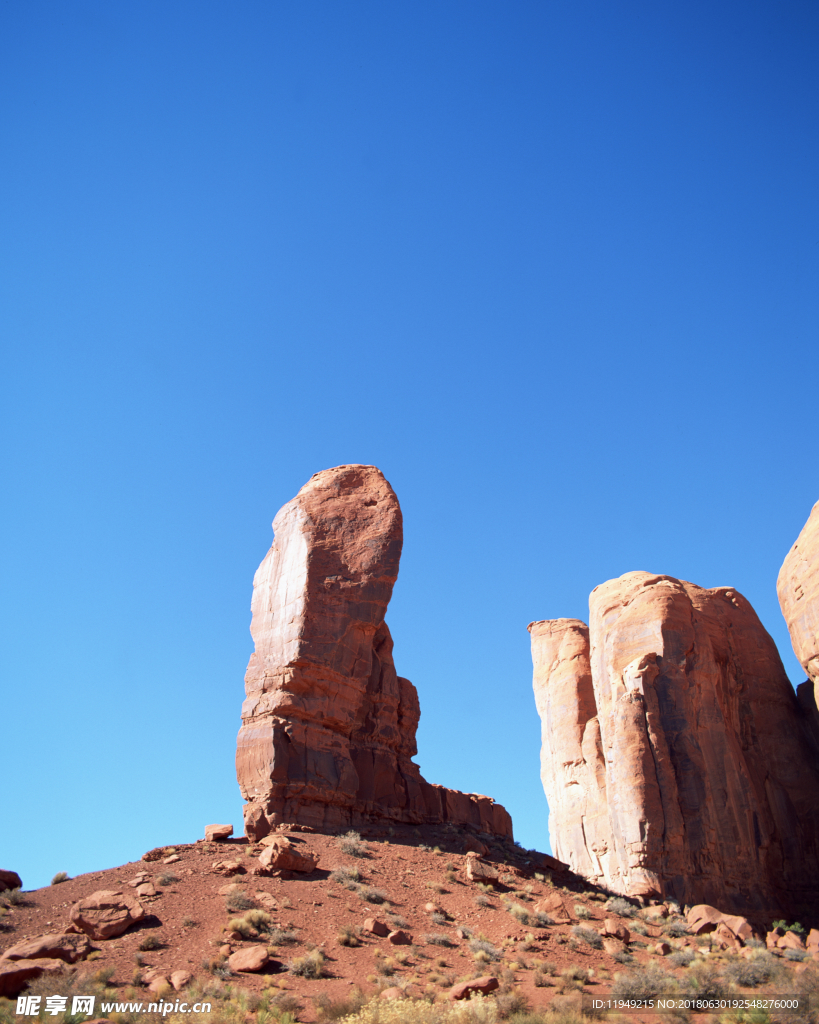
column 328, row 726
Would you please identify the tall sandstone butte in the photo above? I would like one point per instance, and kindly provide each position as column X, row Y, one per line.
column 677, row 761
column 798, row 591
column 328, row 729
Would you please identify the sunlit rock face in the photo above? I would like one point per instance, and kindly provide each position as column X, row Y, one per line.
column 708, row 779
column 328, row 731
column 798, row 591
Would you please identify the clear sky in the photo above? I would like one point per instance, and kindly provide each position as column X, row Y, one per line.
column 550, row 265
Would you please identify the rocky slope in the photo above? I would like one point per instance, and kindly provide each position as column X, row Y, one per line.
column 328, row 731
column 215, row 924
column 703, row 784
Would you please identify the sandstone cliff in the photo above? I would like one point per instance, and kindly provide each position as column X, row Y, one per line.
column 709, row 786
column 798, row 591
column 329, row 727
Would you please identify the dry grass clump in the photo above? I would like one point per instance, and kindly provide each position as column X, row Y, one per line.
column 236, row 902
column 481, row 949
column 438, row 939
column 252, row 925
column 621, row 907
column 282, row 937
column 348, row 936
column 371, row 895
column 587, row 935
column 328, row 1009
column 311, row 965
column 352, row 844
column 750, row 973
column 149, row 942
column 641, row 983
column 61, row 876
column 581, row 912
column 346, row 875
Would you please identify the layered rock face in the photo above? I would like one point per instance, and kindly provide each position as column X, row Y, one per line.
column 704, row 767
column 329, row 727
column 798, row 591
column 573, row 770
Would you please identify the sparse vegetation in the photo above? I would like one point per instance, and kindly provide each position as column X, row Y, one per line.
column 282, row 937
column 348, row 936
column 795, row 927
column 587, row 935
column 311, row 965
column 621, row 907
column 676, row 928
column 682, row 958
column 352, row 845
column 236, row 902
column 14, row 897
column 346, row 875
column 328, row 1009
column 581, row 912
column 796, row 954
column 482, row 900
column 397, row 921
column 490, row 952
column 189, row 922
column 252, row 925
column 61, row 876
column 371, row 895
column 167, row 878
column 149, row 942
column 750, row 973
column 438, row 939
column 642, row 983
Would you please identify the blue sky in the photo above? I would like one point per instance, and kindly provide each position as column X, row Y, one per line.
column 550, row 265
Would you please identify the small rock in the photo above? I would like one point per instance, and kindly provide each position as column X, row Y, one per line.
column 146, row 889
column 179, row 979
column 267, row 899
column 157, row 853
column 226, row 950
column 662, row 949
column 473, row 845
column 249, row 960
column 553, row 905
column 158, row 983
column 612, row 945
column 215, row 833
column 105, row 914
column 281, row 855
column 228, row 867
column 391, row 993
column 375, row 927
column 615, row 929
column 431, row 908
column 813, row 939
column 465, row 989
column 790, row 940
column 174, row 857
column 478, row 871
column 16, row 974
column 69, row 948
column 399, row 938
column 229, row 888
column 143, row 876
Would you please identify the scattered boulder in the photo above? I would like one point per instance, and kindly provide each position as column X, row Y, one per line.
column 662, row 949
column 215, row 833
column 553, row 905
column 773, row 936
column 179, row 979
column 466, row 989
column 474, row 845
column 143, row 876
column 106, row 913
column 267, row 899
column 146, row 889
column 704, row 918
column 157, row 853
column 478, row 870
column 612, row 945
column 812, row 940
column 10, row 880
column 399, row 938
column 281, row 855
column 790, row 940
column 375, row 927
column 228, row 867
column 158, row 983
column 174, row 857
column 69, row 948
column 249, row 960
column 615, row 929
column 16, row 974
column 394, row 992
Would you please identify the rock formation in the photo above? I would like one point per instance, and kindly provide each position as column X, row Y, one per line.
column 677, row 761
column 798, row 591
column 329, row 727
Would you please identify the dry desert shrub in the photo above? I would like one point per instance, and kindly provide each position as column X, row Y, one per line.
column 481, row 946
column 236, row 902
column 750, row 973
column 282, row 937
column 61, row 876
column 621, row 907
column 311, row 965
column 348, row 936
column 328, row 1009
column 346, row 875
column 438, row 939
column 352, row 844
column 407, row 1011
column 371, row 895
column 581, row 912
column 641, row 983
column 587, row 935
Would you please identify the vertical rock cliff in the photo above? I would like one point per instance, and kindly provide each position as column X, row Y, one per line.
column 329, row 727
column 711, row 790
column 798, row 591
